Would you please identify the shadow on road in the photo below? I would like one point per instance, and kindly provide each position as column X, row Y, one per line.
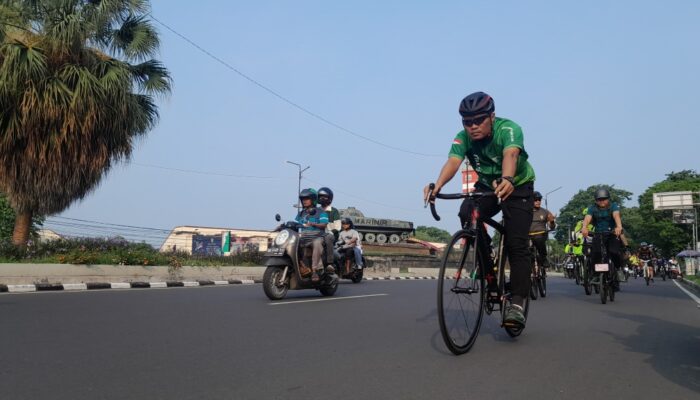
column 673, row 349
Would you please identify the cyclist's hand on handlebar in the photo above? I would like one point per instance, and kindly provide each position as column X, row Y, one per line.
column 428, row 196
column 503, row 188
column 584, row 232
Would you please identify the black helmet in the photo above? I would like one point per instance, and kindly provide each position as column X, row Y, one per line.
column 346, row 221
column 324, row 191
column 602, row 194
column 475, row 104
column 308, row 194
column 538, row 196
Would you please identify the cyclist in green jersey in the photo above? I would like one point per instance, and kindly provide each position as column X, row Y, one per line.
column 495, row 149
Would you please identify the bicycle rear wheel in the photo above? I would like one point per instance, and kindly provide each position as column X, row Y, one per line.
column 604, row 288
column 542, row 283
column 533, row 288
column 461, row 292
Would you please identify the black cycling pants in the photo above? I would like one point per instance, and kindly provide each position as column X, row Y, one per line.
column 517, row 220
column 540, row 243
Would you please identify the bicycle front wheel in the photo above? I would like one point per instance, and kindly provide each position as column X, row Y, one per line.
column 461, row 292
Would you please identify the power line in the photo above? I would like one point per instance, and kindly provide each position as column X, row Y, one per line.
column 190, row 171
column 286, row 100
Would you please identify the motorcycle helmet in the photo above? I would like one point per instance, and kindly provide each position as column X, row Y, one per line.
column 309, row 194
column 347, row 221
column 324, row 191
column 477, row 103
column 538, row 196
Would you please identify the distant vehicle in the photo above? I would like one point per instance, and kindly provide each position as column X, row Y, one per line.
column 378, row 230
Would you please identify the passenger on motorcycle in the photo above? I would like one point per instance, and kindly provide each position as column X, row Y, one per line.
column 349, row 242
column 541, row 220
column 314, row 221
column 325, row 198
column 605, row 216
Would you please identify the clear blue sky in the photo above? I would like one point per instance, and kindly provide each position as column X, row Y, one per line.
column 606, row 92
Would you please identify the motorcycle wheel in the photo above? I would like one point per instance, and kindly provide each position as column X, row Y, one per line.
column 270, row 278
column 357, row 276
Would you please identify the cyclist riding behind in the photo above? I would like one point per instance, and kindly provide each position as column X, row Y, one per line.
column 541, row 220
column 605, row 216
column 646, row 255
column 495, row 149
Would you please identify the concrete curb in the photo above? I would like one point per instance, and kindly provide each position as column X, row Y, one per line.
column 691, row 284
column 49, row 287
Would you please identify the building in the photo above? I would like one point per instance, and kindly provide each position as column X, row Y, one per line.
column 216, row 241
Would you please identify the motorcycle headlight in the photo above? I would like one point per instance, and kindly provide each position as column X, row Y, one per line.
column 282, row 237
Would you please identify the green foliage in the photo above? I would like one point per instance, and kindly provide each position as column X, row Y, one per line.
column 112, row 251
column 432, row 234
column 571, row 213
column 657, row 227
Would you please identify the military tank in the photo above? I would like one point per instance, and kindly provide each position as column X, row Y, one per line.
column 377, row 230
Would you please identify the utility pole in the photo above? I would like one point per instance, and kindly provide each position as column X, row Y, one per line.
column 548, row 193
column 300, row 172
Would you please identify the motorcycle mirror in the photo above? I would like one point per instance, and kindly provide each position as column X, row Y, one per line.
column 278, row 218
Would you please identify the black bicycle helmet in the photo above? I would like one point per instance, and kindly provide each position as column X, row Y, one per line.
column 324, row 191
column 538, row 196
column 602, row 194
column 309, row 194
column 476, row 104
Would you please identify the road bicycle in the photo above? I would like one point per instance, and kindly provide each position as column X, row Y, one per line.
column 472, row 279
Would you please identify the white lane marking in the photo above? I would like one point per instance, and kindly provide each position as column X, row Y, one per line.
column 692, row 296
column 327, row 299
column 159, row 284
column 74, row 286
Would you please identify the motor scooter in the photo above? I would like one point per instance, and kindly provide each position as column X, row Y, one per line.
column 286, row 259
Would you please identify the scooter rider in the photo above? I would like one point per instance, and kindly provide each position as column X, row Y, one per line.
column 349, row 241
column 314, row 221
column 325, row 198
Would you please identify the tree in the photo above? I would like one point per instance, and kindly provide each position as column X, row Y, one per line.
column 572, row 212
column 657, row 226
column 7, row 220
column 432, row 234
column 77, row 87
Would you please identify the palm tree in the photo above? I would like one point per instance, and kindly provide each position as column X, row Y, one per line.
column 77, row 87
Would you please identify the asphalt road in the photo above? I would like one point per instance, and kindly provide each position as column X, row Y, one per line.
column 232, row 343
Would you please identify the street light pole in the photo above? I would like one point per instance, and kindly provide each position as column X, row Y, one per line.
column 300, row 172
column 546, row 205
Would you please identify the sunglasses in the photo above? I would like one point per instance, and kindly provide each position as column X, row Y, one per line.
column 474, row 121
column 604, row 198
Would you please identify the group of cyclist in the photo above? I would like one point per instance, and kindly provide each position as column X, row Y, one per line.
column 494, row 146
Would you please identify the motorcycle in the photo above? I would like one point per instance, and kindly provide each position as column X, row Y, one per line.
column 356, row 273
column 283, row 261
